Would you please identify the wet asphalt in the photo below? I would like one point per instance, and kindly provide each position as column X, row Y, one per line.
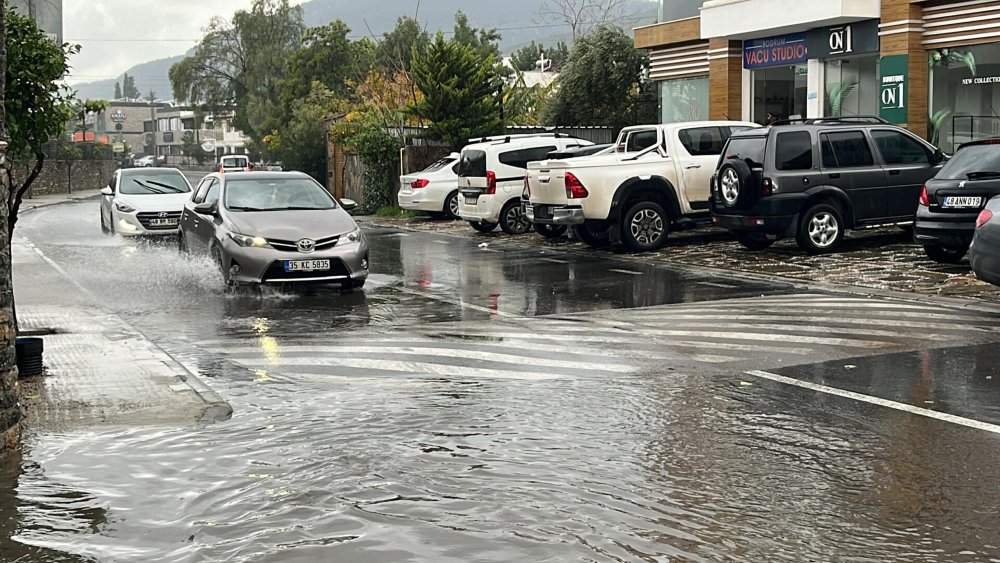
column 508, row 403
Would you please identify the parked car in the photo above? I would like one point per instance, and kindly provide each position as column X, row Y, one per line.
column 235, row 163
column 655, row 178
column 491, row 178
column 984, row 253
column 143, row 201
column 951, row 201
column 147, row 161
column 815, row 179
column 434, row 189
column 274, row 228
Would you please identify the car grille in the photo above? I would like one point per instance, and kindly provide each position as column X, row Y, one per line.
column 145, row 217
column 276, row 271
column 293, row 246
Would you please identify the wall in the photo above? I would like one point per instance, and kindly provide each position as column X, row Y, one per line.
column 671, row 10
column 60, row 176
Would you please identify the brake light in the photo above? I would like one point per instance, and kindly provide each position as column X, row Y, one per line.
column 984, row 217
column 574, row 187
column 421, row 183
column 526, row 194
column 924, row 200
column 491, row 182
column 767, row 187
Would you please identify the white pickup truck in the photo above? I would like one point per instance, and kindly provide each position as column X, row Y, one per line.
column 656, row 177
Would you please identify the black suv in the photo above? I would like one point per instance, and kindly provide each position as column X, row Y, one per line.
column 951, row 201
column 814, row 179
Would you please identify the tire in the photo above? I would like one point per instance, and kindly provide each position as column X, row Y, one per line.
column 752, row 240
column 596, row 235
column 513, row 221
column 736, row 185
column 104, row 226
column 645, row 227
column 549, row 231
column 821, row 229
column 450, row 210
column 944, row 255
column 217, row 258
column 483, row 226
column 181, row 244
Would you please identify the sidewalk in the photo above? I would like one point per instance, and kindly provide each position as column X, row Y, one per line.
column 52, row 199
column 100, row 370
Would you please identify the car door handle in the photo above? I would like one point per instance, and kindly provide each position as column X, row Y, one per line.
column 835, row 175
column 894, row 172
column 692, row 166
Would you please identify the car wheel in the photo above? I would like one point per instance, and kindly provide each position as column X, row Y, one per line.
column 754, row 241
column 944, row 255
column 513, row 221
column 734, row 182
column 597, row 235
column 645, row 227
column 483, row 226
column 549, row 231
column 821, row 229
column 104, row 225
column 219, row 263
column 451, row 206
column 181, row 244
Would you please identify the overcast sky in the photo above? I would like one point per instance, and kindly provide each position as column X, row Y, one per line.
column 107, row 30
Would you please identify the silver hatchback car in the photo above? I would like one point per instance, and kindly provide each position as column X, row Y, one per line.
column 274, row 228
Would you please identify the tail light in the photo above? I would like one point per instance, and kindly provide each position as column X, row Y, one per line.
column 574, row 187
column 526, row 194
column 767, row 187
column 421, row 183
column 491, row 182
column 924, row 200
column 984, row 217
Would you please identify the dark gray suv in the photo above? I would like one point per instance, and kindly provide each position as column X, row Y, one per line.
column 815, row 179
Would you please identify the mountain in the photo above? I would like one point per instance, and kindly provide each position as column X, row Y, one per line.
column 148, row 76
column 518, row 21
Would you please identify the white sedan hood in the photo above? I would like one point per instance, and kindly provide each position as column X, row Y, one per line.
column 154, row 202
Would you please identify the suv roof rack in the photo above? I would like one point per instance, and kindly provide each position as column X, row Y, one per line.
column 845, row 120
column 507, row 138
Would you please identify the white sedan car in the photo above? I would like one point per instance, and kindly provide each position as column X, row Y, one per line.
column 433, row 189
column 144, row 201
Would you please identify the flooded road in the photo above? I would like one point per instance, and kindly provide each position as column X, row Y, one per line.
column 436, row 416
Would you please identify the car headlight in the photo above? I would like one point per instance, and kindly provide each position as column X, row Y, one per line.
column 248, row 241
column 124, row 207
column 354, row 235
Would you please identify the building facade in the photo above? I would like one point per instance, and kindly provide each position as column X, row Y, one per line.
column 48, row 15
column 930, row 65
column 170, row 129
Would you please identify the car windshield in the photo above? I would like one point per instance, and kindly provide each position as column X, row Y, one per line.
column 276, row 195
column 975, row 160
column 154, row 182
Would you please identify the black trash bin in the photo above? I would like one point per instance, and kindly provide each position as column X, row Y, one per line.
column 29, row 356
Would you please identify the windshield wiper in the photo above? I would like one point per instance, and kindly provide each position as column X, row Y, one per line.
column 294, row 208
column 148, row 187
column 982, row 174
column 175, row 189
column 241, row 208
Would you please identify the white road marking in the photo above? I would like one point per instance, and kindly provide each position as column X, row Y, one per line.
column 962, row 421
column 713, row 284
column 555, row 260
column 457, row 302
column 629, row 272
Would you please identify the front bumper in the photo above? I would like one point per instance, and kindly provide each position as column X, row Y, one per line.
column 950, row 230
column 554, row 214
column 129, row 225
column 348, row 262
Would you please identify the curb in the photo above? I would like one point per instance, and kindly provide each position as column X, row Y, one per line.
column 25, row 206
column 951, row 302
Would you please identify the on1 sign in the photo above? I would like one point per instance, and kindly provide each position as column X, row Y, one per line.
column 894, row 88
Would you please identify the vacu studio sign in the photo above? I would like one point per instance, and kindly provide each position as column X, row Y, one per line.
column 773, row 51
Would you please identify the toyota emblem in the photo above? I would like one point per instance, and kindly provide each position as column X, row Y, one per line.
column 306, row 245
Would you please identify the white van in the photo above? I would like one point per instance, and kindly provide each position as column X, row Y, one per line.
column 234, row 163
column 491, row 173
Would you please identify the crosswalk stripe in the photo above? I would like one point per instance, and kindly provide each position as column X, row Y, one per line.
column 405, row 367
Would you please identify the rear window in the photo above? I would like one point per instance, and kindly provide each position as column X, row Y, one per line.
column 702, row 141
column 748, row 149
column 235, row 162
column 641, row 140
column 472, row 164
column 793, row 151
column 521, row 157
column 439, row 165
column 976, row 158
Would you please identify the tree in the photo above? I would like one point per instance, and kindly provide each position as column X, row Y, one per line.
column 460, row 91
column 582, row 16
column 241, row 64
column 118, row 90
column 10, row 411
column 301, row 144
column 484, row 42
column 602, row 84
column 526, row 58
column 326, row 56
column 398, row 47
column 129, row 89
column 88, row 107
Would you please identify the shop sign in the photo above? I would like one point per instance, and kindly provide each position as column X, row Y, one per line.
column 843, row 40
column 981, row 80
column 168, row 137
column 775, row 51
column 894, row 88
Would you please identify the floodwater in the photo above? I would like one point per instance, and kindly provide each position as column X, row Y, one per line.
column 540, row 463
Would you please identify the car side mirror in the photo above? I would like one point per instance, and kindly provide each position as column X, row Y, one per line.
column 205, row 209
column 107, row 191
column 348, row 204
column 939, row 156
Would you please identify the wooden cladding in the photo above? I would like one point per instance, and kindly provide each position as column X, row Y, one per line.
column 669, row 33
column 679, row 62
column 971, row 22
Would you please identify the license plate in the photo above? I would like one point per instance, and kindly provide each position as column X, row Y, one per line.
column 306, row 265
column 471, row 200
column 964, row 201
column 163, row 222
